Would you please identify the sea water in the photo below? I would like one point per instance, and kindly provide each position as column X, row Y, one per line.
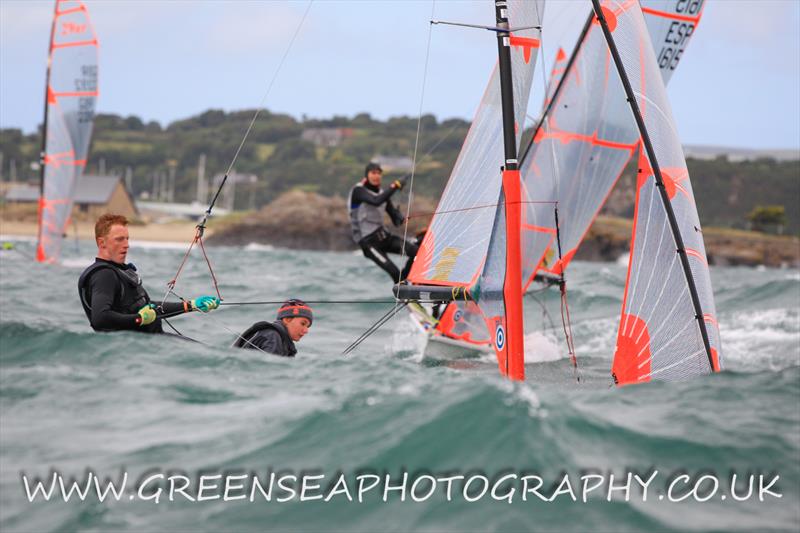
column 167, row 415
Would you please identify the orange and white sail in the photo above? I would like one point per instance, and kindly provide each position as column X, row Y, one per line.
column 71, row 94
column 586, row 136
column 465, row 245
column 668, row 328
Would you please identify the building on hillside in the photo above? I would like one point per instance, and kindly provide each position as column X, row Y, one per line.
column 94, row 196
column 326, row 137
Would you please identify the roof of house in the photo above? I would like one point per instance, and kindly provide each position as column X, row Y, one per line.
column 90, row 190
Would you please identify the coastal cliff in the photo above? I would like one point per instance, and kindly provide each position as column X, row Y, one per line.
column 306, row 220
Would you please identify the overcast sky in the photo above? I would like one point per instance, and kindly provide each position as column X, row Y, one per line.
column 738, row 83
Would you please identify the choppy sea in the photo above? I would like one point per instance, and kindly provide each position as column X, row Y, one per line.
column 181, row 421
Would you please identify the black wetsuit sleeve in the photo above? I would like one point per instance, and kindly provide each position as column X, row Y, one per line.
column 268, row 341
column 171, row 309
column 104, row 285
column 394, row 213
column 362, row 195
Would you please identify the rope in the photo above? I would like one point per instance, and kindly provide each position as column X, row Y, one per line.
column 484, row 206
column 565, row 318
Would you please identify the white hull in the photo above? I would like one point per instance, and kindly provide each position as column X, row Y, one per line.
column 445, row 348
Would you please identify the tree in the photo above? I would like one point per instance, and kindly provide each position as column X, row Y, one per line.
column 763, row 216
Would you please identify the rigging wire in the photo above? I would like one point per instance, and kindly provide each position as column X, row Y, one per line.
column 416, row 141
column 315, row 302
column 202, row 225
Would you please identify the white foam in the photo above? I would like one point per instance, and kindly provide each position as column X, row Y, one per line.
column 759, row 339
column 407, row 338
column 256, row 247
column 541, row 347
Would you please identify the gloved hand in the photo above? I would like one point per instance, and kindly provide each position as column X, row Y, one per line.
column 147, row 314
column 398, row 184
column 205, row 303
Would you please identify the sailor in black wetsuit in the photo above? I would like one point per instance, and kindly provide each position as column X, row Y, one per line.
column 292, row 323
column 111, row 291
column 366, row 222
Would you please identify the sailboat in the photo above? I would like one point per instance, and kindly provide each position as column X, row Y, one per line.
column 70, row 95
column 589, row 129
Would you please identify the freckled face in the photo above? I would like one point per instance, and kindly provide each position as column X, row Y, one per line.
column 114, row 246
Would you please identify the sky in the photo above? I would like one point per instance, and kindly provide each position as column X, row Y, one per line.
column 738, row 83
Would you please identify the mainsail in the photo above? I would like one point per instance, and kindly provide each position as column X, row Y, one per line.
column 668, row 328
column 465, row 245
column 586, row 136
column 71, row 92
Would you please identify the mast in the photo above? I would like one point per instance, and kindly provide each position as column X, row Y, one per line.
column 651, row 155
column 43, row 153
column 512, row 288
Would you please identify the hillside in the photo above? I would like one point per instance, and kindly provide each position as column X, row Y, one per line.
column 327, row 155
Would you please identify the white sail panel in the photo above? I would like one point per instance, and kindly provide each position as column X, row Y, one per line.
column 671, row 25
column 71, row 95
column 586, row 142
column 659, row 336
column 455, row 246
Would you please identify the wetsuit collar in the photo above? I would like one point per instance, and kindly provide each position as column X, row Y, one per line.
column 114, row 263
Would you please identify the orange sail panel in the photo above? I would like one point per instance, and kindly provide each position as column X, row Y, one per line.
column 71, row 94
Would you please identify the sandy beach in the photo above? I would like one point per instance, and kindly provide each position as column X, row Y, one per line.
column 164, row 232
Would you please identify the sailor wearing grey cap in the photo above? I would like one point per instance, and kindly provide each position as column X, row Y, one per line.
column 278, row 337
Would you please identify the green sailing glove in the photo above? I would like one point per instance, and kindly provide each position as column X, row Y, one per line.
column 147, row 315
column 205, row 303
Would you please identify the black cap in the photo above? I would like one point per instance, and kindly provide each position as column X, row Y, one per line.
column 372, row 166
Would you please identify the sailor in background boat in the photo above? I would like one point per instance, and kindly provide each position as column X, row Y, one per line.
column 111, row 291
column 278, row 337
column 366, row 206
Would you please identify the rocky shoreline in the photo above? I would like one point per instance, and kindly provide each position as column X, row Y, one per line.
column 306, row 220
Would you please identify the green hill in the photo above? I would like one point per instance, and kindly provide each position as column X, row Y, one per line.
column 282, row 159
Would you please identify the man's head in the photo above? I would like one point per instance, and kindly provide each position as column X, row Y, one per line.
column 297, row 317
column 373, row 173
column 111, row 234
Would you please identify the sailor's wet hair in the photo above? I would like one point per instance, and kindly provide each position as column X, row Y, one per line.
column 296, row 308
column 104, row 223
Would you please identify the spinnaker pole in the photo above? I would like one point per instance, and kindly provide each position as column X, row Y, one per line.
column 651, row 156
column 512, row 194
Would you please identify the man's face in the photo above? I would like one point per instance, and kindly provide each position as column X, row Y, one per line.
column 297, row 327
column 374, row 177
column 114, row 246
